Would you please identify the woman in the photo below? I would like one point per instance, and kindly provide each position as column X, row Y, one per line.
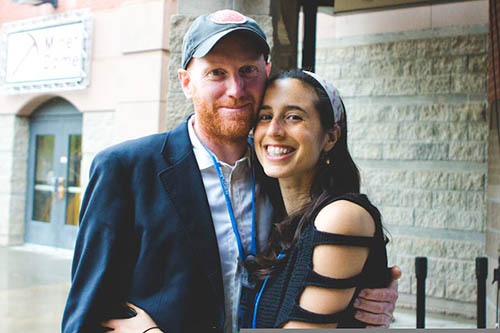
column 330, row 243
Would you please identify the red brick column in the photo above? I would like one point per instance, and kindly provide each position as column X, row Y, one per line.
column 493, row 186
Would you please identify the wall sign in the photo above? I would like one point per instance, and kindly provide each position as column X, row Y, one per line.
column 49, row 53
column 342, row 6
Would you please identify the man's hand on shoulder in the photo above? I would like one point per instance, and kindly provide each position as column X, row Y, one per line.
column 376, row 306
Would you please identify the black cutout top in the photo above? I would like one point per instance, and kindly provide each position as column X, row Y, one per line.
column 279, row 300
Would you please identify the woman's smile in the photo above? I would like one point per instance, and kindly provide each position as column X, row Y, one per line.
column 278, row 151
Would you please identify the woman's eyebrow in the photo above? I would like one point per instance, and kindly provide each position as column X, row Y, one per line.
column 287, row 108
column 295, row 107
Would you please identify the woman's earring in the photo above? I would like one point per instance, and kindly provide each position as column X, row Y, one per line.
column 324, row 157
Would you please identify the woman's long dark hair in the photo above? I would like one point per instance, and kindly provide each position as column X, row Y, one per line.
column 339, row 177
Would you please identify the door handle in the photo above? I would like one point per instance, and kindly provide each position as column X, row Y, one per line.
column 61, row 189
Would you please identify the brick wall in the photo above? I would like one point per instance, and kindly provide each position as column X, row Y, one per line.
column 416, row 107
column 493, row 182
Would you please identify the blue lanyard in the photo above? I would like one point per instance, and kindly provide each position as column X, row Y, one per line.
column 257, row 298
column 241, row 251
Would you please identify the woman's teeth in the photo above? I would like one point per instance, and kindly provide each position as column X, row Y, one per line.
column 278, row 151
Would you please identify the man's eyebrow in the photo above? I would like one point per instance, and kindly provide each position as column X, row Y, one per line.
column 265, row 107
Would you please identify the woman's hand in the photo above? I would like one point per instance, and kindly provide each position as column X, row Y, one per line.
column 142, row 322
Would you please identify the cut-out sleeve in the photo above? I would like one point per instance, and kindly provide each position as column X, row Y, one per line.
column 279, row 303
column 317, row 280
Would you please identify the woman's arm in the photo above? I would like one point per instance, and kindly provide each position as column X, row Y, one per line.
column 141, row 323
column 336, row 261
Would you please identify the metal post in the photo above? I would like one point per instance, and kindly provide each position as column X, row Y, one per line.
column 421, row 273
column 481, row 275
column 496, row 276
column 310, row 9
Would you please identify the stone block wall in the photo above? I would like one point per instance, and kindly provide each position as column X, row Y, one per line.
column 14, row 134
column 417, row 127
column 177, row 105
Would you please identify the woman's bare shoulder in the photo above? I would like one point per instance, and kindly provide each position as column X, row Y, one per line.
column 345, row 217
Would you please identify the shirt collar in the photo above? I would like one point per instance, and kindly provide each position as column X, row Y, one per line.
column 203, row 157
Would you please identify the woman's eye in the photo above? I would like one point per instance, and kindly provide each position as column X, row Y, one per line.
column 264, row 117
column 294, row 117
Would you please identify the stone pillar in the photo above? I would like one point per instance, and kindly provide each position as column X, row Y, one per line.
column 14, row 134
column 278, row 19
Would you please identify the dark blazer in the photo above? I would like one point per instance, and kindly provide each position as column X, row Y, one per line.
column 146, row 236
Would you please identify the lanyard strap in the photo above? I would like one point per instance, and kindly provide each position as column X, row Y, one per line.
column 222, row 180
column 259, row 295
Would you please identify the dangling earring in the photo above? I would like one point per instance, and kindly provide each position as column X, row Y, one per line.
column 327, row 161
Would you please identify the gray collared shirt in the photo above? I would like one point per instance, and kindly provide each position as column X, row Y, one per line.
column 238, row 183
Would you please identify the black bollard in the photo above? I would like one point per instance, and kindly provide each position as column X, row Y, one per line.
column 496, row 277
column 421, row 273
column 481, row 275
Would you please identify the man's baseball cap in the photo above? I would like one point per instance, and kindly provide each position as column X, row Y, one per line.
column 208, row 29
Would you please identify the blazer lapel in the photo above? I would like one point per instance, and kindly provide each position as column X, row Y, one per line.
column 183, row 183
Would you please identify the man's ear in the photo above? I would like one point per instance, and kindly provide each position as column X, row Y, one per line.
column 185, row 81
column 333, row 135
column 268, row 68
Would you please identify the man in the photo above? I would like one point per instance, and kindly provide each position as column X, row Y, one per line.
column 167, row 220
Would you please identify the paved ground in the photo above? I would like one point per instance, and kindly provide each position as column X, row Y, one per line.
column 404, row 318
column 34, row 282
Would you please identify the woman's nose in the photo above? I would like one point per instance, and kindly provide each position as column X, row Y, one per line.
column 275, row 128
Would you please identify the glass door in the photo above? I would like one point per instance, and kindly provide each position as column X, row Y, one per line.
column 72, row 188
column 54, row 187
column 43, row 188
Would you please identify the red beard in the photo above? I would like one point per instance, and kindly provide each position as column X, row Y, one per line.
column 224, row 127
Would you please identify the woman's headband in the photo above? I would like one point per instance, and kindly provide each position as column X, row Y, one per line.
column 333, row 95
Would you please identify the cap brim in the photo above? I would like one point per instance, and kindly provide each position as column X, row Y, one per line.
column 210, row 42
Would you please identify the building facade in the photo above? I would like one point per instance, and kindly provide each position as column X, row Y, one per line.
column 45, row 165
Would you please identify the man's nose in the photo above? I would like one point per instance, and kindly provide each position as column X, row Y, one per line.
column 236, row 86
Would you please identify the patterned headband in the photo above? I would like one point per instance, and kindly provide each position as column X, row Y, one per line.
column 333, row 95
